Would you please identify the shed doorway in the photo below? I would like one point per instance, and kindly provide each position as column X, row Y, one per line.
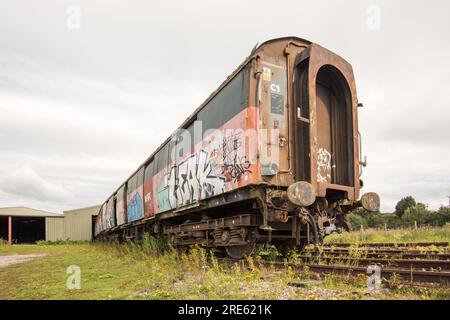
column 24, row 229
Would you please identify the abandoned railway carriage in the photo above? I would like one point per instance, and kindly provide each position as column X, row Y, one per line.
column 273, row 155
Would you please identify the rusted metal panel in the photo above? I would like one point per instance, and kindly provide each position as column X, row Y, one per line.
column 274, row 118
column 320, row 57
column 149, row 200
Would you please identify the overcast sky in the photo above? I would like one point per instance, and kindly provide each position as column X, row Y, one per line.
column 81, row 108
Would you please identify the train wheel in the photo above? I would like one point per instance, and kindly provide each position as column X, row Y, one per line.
column 239, row 236
column 239, row 252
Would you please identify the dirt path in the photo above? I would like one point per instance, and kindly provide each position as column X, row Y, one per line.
column 15, row 259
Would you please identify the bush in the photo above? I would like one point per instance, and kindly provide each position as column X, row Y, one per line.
column 59, row 242
column 3, row 242
column 440, row 217
column 156, row 245
column 404, row 204
column 357, row 221
column 417, row 213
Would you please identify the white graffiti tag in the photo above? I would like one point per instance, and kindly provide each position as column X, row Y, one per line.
column 193, row 180
column 323, row 165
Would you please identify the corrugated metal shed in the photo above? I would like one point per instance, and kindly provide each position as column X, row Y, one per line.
column 72, row 225
column 78, row 223
column 54, row 222
column 54, row 228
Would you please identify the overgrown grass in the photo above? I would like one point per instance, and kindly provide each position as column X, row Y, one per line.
column 425, row 234
column 59, row 242
column 154, row 270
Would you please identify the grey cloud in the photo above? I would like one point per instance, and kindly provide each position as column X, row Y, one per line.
column 25, row 182
column 84, row 108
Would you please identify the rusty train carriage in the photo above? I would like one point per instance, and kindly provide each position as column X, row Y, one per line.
column 227, row 194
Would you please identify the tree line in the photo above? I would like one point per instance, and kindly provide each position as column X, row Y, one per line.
column 408, row 213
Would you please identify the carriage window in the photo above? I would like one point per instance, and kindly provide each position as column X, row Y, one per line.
column 120, row 193
column 140, row 176
column 161, row 158
column 132, row 184
column 111, row 208
column 231, row 100
column 186, row 141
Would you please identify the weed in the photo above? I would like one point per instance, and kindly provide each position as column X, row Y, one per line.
column 424, row 234
column 153, row 270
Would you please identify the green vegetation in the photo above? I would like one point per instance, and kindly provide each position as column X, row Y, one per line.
column 424, row 234
column 153, row 270
column 408, row 213
column 404, row 204
column 417, row 214
column 58, row 242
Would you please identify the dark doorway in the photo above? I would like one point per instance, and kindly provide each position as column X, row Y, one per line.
column 94, row 219
column 24, row 229
column 334, row 127
column 4, row 227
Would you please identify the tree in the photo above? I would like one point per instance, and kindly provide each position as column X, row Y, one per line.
column 417, row 213
column 440, row 217
column 404, row 204
column 357, row 221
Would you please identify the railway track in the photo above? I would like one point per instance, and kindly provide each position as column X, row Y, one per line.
column 387, row 251
column 411, row 275
column 389, row 244
column 431, row 265
column 380, row 255
column 415, row 263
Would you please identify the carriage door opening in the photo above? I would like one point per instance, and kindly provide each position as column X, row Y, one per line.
column 334, row 128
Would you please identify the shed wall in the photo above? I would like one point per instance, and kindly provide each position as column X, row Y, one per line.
column 78, row 223
column 78, row 226
column 54, row 229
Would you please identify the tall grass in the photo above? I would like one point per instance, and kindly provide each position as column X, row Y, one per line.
column 155, row 270
column 59, row 242
column 424, row 234
column 195, row 273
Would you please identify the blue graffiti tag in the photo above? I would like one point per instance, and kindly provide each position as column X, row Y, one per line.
column 135, row 208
